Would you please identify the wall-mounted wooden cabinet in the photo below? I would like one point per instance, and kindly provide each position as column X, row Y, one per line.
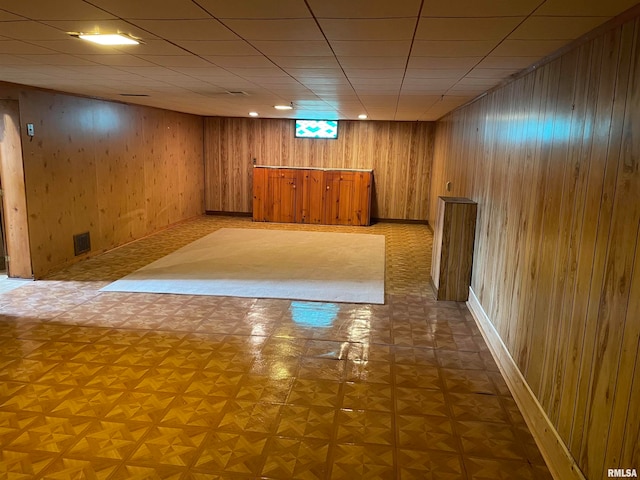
column 453, row 238
column 312, row 195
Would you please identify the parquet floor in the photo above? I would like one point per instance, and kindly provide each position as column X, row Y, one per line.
column 124, row 386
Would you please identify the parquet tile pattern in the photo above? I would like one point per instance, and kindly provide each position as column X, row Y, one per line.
column 126, row 385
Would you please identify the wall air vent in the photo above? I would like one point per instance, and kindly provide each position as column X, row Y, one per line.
column 134, row 95
column 237, row 93
column 81, row 243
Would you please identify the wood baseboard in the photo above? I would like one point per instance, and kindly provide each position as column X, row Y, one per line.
column 561, row 463
column 220, row 213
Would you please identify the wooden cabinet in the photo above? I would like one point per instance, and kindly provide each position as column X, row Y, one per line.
column 306, row 195
column 453, row 238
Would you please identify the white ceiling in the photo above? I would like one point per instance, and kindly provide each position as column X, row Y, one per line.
column 390, row 59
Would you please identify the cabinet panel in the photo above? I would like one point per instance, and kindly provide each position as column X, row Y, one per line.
column 282, row 194
column 313, row 196
column 332, row 197
column 259, row 194
column 347, row 198
column 453, row 248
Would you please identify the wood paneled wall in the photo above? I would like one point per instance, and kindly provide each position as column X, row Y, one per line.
column 400, row 154
column 15, row 218
column 118, row 171
column 553, row 161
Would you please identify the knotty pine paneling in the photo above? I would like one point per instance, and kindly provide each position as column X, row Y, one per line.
column 398, row 152
column 552, row 159
column 118, row 171
column 14, row 205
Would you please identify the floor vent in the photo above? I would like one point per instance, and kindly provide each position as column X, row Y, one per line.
column 81, row 243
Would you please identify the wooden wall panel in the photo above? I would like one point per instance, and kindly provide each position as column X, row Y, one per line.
column 13, row 196
column 399, row 153
column 553, row 160
column 118, row 171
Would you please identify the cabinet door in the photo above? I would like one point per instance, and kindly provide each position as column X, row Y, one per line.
column 312, row 196
column 362, row 198
column 259, row 194
column 347, row 198
column 282, row 196
column 338, row 197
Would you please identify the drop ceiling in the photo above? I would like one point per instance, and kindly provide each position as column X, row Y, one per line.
column 389, row 59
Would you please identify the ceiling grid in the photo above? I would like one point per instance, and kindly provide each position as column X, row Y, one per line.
column 402, row 60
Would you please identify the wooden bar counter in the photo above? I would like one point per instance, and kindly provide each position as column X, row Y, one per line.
column 312, row 195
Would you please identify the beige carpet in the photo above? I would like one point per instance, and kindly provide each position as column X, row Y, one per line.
column 238, row 262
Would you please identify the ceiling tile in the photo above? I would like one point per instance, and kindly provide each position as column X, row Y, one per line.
column 436, row 73
column 393, row 48
column 258, row 72
column 485, row 83
column 96, row 72
column 467, row 89
column 418, row 99
column 443, row 62
column 176, row 60
column 555, row 28
column 373, row 82
column 305, row 62
column 292, row 59
column 466, row 28
column 59, row 59
column 364, row 90
column 217, row 47
column 206, row 73
column 374, row 73
column 527, row 48
column 183, row 9
column 576, row 8
column 253, row 61
column 6, row 59
column 116, row 60
column 101, row 26
column 364, row 8
column 291, row 29
column 149, row 47
column 150, row 72
column 332, row 90
column 59, row 10
column 429, row 83
column 479, row 8
column 309, row 73
column 518, row 63
column 423, row 91
column 16, row 47
column 6, row 16
column 499, row 73
column 368, row 29
column 314, row 48
column 322, row 82
column 29, row 30
column 75, row 46
column 452, row 48
column 266, row 9
column 372, row 62
column 174, row 30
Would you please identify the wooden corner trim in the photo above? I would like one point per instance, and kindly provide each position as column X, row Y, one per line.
column 559, row 460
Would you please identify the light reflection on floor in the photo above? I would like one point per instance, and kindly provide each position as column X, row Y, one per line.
column 314, row 314
column 117, row 386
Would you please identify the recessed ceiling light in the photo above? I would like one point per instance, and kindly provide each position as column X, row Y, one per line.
column 109, row 39
column 362, row 116
column 283, row 107
column 253, row 114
